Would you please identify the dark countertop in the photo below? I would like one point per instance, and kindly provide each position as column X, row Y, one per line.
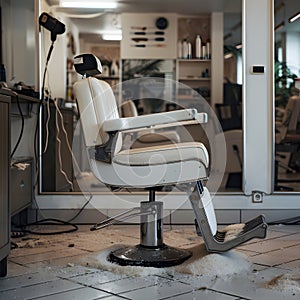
column 22, row 97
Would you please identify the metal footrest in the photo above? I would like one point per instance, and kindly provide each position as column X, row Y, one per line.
column 228, row 237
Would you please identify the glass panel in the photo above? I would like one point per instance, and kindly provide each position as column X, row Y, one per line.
column 230, row 110
column 60, row 172
column 287, row 100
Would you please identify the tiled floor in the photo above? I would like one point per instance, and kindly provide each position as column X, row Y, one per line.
column 61, row 267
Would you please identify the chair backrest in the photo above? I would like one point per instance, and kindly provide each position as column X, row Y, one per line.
column 96, row 103
column 292, row 110
column 129, row 109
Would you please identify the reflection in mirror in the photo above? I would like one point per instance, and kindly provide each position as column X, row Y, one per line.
column 287, row 100
column 230, row 110
column 64, row 172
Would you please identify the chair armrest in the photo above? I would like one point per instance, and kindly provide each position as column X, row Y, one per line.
column 170, row 117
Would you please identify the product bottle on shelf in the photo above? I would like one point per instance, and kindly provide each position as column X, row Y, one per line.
column 203, row 52
column 198, row 47
column 179, row 49
column 189, row 56
column 114, row 70
column 184, row 49
column 208, row 56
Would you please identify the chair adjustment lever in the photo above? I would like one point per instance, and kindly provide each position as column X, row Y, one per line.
column 120, row 218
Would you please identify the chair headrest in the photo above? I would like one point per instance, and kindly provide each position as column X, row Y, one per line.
column 87, row 65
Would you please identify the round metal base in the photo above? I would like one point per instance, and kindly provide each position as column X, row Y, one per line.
column 158, row 257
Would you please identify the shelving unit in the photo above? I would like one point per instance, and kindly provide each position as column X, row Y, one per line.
column 72, row 77
column 112, row 80
column 196, row 74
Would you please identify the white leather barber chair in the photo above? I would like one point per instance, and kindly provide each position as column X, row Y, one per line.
column 148, row 137
column 185, row 164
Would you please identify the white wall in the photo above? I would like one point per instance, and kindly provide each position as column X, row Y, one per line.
column 258, row 91
column 293, row 52
column 57, row 66
column 217, row 68
column 18, row 40
column 19, row 58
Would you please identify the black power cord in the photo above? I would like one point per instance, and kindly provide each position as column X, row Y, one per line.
column 22, row 127
column 36, row 132
column 49, row 221
column 52, row 221
column 289, row 221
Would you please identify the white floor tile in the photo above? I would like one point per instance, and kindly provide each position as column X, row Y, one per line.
column 24, row 280
column 204, row 294
column 96, row 278
column 78, row 294
column 38, row 290
column 159, row 291
column 254, row 286
column 130, row 284
column 56, row 271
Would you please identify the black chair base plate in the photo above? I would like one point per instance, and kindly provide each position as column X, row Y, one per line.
column 156, row 257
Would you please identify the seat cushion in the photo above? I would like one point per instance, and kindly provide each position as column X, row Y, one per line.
column 165, row 154
column 156, row 137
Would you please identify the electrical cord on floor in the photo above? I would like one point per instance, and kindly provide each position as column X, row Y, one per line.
column 51, row 221
column 289, row 221
column 81, row 209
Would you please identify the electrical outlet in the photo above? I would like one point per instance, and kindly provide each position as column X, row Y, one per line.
column 257, row 197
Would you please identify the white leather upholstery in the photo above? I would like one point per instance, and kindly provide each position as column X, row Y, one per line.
column 159, row 137
column 129, row 109
column 166, row 154
column 125, row 176
column 122, row 124
column 290, row 119
column 142, row 167
column 96, row 103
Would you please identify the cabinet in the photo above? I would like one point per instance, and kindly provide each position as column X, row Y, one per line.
column 5, row 181
column 21, row 184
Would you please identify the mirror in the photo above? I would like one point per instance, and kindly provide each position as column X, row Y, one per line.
column 287, row 100
column 230, row 110
column 59, row 172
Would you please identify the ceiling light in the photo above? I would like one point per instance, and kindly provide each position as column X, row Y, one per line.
column 294, row 17
column 88, row 4
column 112, row 36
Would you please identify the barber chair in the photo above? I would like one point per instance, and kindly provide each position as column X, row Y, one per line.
column 234, row 163
column 287, row 139
column 183, row 164
column 150, row 137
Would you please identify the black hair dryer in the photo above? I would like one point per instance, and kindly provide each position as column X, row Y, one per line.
column 53, row 25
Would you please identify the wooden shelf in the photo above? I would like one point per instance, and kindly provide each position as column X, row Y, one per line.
column 194, row 60
column 192, row 78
